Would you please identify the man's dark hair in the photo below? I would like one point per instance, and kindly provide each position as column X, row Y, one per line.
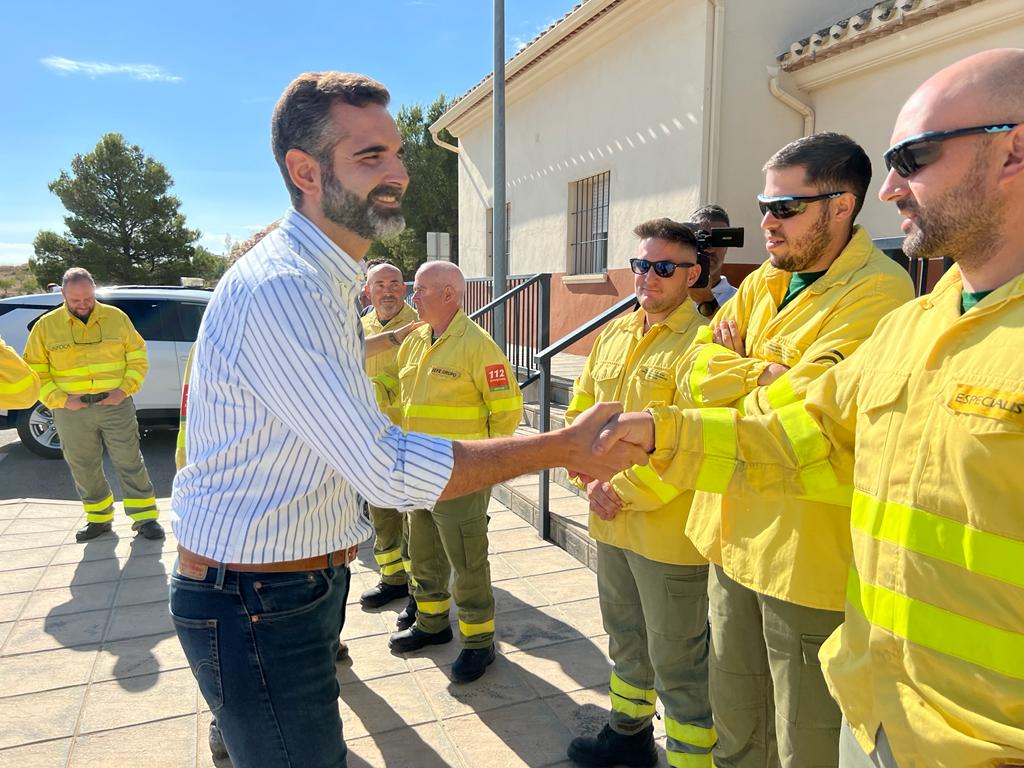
column 377, row 262
column 302, row 116
column 832, row 162
column 707, row 216
column 666, row 229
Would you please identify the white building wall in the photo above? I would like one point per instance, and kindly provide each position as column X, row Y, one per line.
column 632, row 106
column 628, row 96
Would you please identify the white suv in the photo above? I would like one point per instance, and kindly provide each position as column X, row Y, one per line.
column 167, row 318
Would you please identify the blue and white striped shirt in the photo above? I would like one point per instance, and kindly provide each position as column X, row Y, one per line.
column 283, row 427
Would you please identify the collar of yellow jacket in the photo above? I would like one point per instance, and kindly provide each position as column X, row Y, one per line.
column 457, row 327
column 852, row 258
column 678, row 321
column 405, row 312
column 953, row 281
column 94, row 316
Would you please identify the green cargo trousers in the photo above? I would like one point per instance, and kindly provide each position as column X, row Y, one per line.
column 453, row 538
column 656, row 616
column 83, row 436
column 390, row 545
column 772, row 707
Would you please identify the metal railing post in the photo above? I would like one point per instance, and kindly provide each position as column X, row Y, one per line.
column 544, row 402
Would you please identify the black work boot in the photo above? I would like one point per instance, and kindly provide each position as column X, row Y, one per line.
column 150, row 529
column 413, row 638
column 92, row 530
column 611, row 748
column 217, row 748
column 472, row 663
column 407, row 616
column 382, row 594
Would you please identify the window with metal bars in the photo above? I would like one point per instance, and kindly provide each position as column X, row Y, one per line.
column 490, row 240
column 588, row 225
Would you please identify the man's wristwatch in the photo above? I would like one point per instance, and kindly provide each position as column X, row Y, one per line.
column 708, row 308
column 394, row 339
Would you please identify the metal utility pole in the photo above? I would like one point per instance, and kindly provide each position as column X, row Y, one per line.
column 498, row 245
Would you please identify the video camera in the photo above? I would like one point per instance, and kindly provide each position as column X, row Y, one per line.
column 716, row 237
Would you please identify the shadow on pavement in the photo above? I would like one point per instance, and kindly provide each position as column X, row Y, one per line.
column 98, row 584
column 23, row 475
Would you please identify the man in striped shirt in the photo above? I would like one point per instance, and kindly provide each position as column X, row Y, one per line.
column 284, row 432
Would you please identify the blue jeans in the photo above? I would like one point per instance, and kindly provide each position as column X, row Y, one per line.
column 262, row 647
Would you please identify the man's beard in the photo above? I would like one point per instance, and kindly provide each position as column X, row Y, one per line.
column 357, row 214
column 963, row 224
column 809, row 249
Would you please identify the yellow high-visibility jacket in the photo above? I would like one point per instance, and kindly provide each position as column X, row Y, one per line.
column 378, row 366
column 19, row 384
column 639, row 370
column 76, row 358
column 927, row 420
column 791, row 549
column 461, row 386
column 179, row 445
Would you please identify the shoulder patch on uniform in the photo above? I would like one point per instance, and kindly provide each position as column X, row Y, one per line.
column 497, row 377
column 993, row 403
column 832, row 357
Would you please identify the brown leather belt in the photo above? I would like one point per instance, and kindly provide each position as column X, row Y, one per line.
column 196, row 566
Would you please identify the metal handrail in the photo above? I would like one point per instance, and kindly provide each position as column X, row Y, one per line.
column 543, row 357
column 503, row 299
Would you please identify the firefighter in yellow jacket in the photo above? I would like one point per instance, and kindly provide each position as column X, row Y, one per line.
column 651, row 580
column 386, row 289
column 453, row 382
column 778, row 573
column 19, row 384
column 90, row 361
column 926, row 420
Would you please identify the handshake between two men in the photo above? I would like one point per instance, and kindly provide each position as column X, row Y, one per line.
column 600, row 443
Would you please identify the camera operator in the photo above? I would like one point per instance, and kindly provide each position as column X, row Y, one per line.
column 718, row 289
column 779, row 567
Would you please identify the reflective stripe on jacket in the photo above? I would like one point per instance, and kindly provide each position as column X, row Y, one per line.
column 792, row 549
column 639, row 370
column 932, row 407
column 461, row 386
column 76, row 358
column 19, row 384
column 385, row 384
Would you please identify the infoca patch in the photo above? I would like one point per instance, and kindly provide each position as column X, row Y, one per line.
column 497, row 377
column 993, row 403
column 444, row 373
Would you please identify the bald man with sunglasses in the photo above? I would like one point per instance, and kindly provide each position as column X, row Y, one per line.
column 778, row 568
column 926, row 421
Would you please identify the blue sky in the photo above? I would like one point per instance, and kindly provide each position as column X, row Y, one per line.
column 194, row 84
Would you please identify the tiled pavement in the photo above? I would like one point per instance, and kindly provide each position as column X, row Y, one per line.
column 91, row 673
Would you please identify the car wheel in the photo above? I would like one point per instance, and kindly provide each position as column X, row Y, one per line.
column 38, row 433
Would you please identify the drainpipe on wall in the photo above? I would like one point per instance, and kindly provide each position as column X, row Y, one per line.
column 713, row 103
column 791, row 101
column 444, row 144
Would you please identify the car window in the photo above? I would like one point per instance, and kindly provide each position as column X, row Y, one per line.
column 190, row 315
column 154, row 319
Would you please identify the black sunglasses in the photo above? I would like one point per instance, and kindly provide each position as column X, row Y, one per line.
column 661, row 268
column 788, row 206
column 911, row 155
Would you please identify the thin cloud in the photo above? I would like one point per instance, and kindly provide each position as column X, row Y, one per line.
column 149, row 73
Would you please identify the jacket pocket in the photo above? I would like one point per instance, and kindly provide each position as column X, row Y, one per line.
column 606, row 381
column 881, row 405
